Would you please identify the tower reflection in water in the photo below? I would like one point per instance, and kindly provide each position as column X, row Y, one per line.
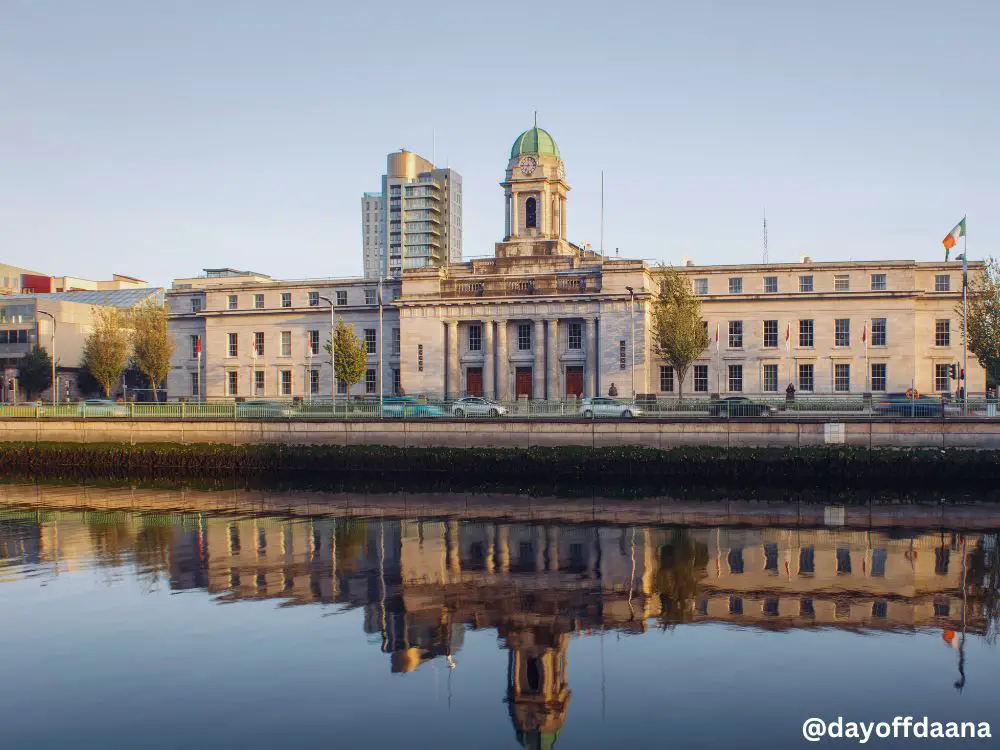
column 421, row 584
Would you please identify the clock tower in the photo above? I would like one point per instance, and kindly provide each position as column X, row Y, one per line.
column 535, row 192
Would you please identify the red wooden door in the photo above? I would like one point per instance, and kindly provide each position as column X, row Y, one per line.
column 474, row 381
column 574, row 381
column 522, row 382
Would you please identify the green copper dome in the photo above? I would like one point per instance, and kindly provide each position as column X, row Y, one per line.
column 534, row 141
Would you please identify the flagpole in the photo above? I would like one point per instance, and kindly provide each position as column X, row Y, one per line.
column 965, row 321
column 868, row 369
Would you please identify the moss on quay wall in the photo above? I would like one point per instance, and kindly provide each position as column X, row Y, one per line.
column 626, row 469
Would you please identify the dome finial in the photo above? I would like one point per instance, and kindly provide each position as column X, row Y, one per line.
column 536, row 118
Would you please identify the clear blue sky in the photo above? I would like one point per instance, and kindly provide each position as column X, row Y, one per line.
column 154, row 139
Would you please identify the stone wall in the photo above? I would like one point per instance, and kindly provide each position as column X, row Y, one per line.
column 771, row 432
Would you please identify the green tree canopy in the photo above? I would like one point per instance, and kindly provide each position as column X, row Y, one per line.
column 152, row 345
column 34, row 372
column 678, row 332
column 105, row 351
column 984, row 318
column 351, row 360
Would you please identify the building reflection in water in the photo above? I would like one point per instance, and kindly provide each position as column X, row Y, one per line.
column 421, row 584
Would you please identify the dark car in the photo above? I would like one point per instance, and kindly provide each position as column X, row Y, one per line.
column 908, row 405
column 739, row 406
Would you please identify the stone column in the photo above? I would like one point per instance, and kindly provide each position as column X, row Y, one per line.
column 562, row 219
column 507, row 215
column 491, row 543
column 452, row 359
column 552, row 548
column 503, row 362
column 590, row 364
column 454, row 551
column 552, row 356
column 489, row 389
column 538, row 372
column 503, row 548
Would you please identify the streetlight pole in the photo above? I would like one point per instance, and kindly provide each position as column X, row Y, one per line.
column 333, row 354
column 55, row 395
column 381, row 371
column 631, row 319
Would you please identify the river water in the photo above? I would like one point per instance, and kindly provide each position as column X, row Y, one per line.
column 168, row 620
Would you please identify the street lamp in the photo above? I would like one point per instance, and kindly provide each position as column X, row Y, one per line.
column 55, row 395
column 333, row 354
column 381, row 371
column 631, row 319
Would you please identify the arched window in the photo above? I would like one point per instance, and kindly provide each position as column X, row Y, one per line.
column 530, row 214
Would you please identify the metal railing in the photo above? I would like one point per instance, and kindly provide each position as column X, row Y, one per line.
column 762, row 406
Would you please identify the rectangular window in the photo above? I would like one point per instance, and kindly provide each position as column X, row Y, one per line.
column 879, row 337
column 370, row 382
column 842, row 332
column 195, row 341
column 666, row 379
column 878, row 282
column 806, row 337
column 286, row 299
column 396, row 342
column 523, row 337
column 942, row 283
column 475, row 338
column 807, row 380
column 878, row 376
column 805, row 283
column 341, row 387
column 621, row 354
column 942, row 378
column 842, row 378
column 233, row 302
column 770, row 378
column 313, row 299
column 286, row 343
column 770, row 334
column 258, row 302
column 736, row 285
column 314, row 342
column 807, row 561
column 196, row 304
column 341, row 298
column 234, row 345
column 942, row 333
column 735, row 334
column 420, row 357
column 842, row 283
column 232, row 383
column 258, row 343
column 314, row 382
column 575, row 336
column 258, row 383
column 735, row 378
column 771, row 557
column 701, row 378
column 369, row 296
column 770, row 284
column 880, row 555
column 397, row 381
column 195, row 384
column 701, row 287
column 370, row 341
column 286, row 382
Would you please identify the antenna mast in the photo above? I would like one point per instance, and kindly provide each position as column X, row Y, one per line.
column 602, row 212
column 765, row 236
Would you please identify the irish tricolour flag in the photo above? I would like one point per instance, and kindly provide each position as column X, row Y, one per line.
column 952, row 238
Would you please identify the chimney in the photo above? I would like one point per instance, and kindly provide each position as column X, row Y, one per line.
column 805, row 259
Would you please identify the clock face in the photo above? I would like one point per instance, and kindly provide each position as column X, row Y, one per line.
column 527, row 165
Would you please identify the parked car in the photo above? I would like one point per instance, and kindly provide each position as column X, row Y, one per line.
column 739, row 406
column 477, row 406
column 909, row 404
column 261, row 409
column 406, row 407
column 99, row 407
column 608, row 407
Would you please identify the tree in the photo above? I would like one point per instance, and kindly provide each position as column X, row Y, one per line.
column 352, row 359
column 679, row 335
column 34, row 372
column 683, row 562
column 105, row 351
column 152, row 346
column 984, row 318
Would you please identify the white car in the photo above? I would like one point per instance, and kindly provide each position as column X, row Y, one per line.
column 476, row 406
column 99, row 407
column 608, row 407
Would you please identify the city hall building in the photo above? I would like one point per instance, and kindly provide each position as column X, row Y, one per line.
column 547, row 319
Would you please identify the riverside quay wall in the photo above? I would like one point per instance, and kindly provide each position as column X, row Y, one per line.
column 771, row 432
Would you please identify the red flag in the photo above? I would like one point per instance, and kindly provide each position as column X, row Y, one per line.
column 197, row 345
column 864, row 334
column 716, row 335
